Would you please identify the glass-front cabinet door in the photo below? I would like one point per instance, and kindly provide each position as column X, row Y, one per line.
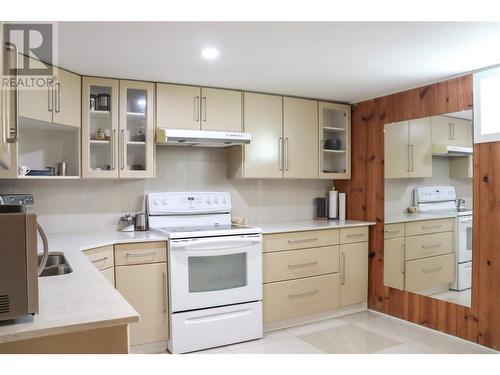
column 100, row 127
column 136, row 150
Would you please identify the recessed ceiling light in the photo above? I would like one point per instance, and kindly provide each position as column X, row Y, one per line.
column 210, row 53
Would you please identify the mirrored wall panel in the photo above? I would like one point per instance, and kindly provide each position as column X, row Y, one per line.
column 428, row 206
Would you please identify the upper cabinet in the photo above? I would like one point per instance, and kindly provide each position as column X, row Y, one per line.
column 451, row 131
column 284, row 139
column 408, row 149
column 117, row 129
column 300, row 138
column 191, row 107
column 58, row 103
column 335, row 141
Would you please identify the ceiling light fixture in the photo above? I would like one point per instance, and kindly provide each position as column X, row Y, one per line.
column 210, row 53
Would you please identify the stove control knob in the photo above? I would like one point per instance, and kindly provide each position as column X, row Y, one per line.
column 164, row 202
column 216, row 200
column 208, row 201
column 224, row 200
column 156, row 202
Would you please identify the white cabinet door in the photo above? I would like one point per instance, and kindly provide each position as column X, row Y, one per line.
column 67, row 98
column 263, row 119
column 420, row 148
column 353, row 273
column 460, row 133
column 300, row 132
column 221, row 110
column 36, row 104
column 394, row 263
column 136, row 150
column 178, row 106
column 441, row 130
column 396, row 150
column 109, row 274
column 144, row 286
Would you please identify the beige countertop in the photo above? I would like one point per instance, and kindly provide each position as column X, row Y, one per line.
column 82, row 299
column 406, row 217
column 302, row 225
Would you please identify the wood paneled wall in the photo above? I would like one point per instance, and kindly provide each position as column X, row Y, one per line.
column 365, row 192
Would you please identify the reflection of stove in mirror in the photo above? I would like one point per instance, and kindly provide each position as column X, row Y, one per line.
column 443, row 199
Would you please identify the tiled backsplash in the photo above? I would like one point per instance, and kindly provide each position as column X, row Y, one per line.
column 399, row 192
column 96, row 205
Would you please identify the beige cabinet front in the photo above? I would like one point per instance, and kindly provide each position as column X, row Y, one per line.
column 221, row 110
column 353, row 273
column 300, row 133
column 109, row 274
column 429, row 272
column 263, row 118
column 67, row 98
column 178, row 106
column 394, row 263
column 420, row 148
column 396, row 150
column 144, row 286
column 299, row 240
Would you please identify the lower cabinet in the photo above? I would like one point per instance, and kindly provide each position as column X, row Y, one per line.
column 145, row 288
column 310, row 272
column 353, row 273
column 394, row 263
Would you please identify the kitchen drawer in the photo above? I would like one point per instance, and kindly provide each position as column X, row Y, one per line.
column 430, row 226
column 293, row 264
column 290, row 299
column 299, row 240
column 101, row 257
column 351, row 235
column 394, row 231
column 109, row 274
column 426, row 273
column 141, row 252
column 429, row 245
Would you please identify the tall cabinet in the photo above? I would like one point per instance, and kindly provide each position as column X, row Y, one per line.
column 117, row 128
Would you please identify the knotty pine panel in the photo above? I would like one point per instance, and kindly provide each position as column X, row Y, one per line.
column 481, row 322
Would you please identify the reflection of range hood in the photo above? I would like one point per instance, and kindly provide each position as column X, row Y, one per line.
column 445, row 150
column 200, row 138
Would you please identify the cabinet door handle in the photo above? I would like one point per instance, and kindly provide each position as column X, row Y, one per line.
column 280, row 153
column 122, row 158
column 164, row 280
column 392, row 231
column 113, row 156
column 449, row 131
column 342, row 275
column 305, row 240
column 402, row 263
column 408, row 159
column 196, row 109
column 452, row 131
column 204, row 106
column 286, row 154
column 412, row 158
column 13, row 131
column 310, row 264
column 50, row 96
column 103, row 259
column 434, row 246
column 430, row 270
column 306, row 294
column 58, row 97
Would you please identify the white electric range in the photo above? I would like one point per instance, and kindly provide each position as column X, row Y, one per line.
column 443, row 199
column 215, row 270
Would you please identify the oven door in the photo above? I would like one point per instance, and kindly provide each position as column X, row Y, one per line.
column 215, row 271
column 464, row 239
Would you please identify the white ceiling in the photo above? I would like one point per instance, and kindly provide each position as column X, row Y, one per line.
column 332, row 60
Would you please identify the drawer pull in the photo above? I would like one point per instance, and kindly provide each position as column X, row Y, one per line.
column 305, row 240
column 342, row 275
column 100, row 260
column 292, row 266
column 306, row 294
column 431, row 226
column 392, row 231
column 430, row 270
column 428, row 247
column 136, row 255
column 355, row 235
column 402, row 264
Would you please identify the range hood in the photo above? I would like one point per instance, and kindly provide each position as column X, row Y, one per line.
column 200, row 138
column 448, row 151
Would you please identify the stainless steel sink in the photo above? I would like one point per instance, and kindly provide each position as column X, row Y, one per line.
column 56, row 265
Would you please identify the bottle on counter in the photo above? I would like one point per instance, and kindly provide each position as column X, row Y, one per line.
column 333, row 197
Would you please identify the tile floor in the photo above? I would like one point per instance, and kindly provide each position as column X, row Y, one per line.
column 360, row 333
column 463, row 297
